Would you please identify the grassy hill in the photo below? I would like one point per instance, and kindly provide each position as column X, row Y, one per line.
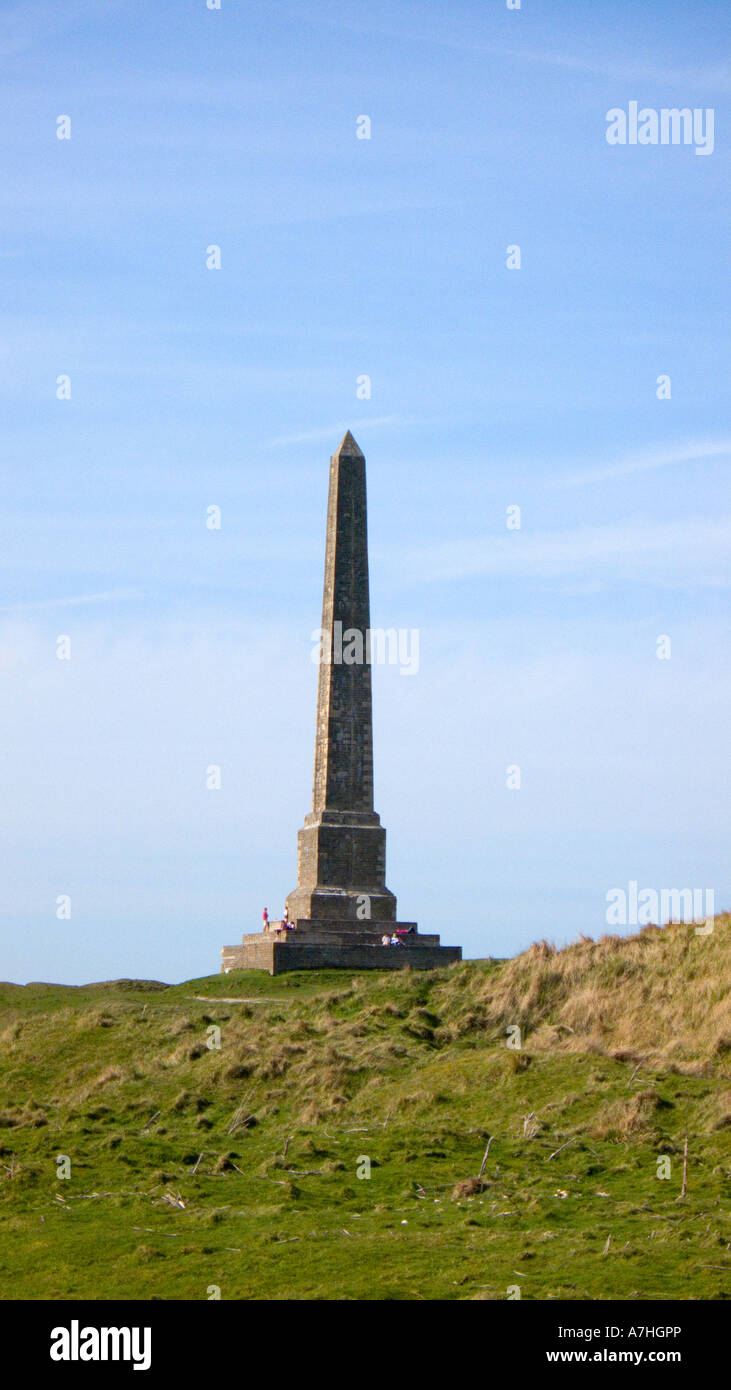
column 194, row 1166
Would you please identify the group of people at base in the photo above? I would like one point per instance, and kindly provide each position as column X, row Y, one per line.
column 283, row 925
column 386, row 940
column 395, row 940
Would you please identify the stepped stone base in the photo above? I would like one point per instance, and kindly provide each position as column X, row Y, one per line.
column 336, row 946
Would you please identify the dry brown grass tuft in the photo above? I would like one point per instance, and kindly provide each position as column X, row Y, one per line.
column 94, row 1018
column 312, row 1113
column 104, row 1077
column 469, row 1187
column 633, row 1117
column 273, row 1067
column 661, row 995
column 178, row 1026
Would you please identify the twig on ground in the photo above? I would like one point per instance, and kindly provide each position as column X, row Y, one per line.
column 173, row 1199
column 86, row 1196
column 238, row 1117
column 484, row 1157
column 563, row 1146
column 685, row 1170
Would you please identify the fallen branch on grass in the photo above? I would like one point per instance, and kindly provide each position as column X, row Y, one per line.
column 239, row 1117
column 86, row 1196
column 173, row 1199
column 685, row 1171
column 484, row 1158
column 563, row 1146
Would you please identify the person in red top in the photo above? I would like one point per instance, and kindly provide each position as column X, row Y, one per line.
column 265, row 918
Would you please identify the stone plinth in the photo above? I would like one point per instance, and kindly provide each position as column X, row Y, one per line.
column 327, row 950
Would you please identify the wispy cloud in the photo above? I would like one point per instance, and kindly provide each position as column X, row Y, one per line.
column 443, row 32
column 336, row 432
column 75, row 600
column 661, row 456
column 689, row 552
column 714, row 76
column 30, row 26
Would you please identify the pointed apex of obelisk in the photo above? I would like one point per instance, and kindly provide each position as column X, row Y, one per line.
column 348, row 447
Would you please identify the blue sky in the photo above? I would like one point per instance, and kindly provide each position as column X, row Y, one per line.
column 490, row 388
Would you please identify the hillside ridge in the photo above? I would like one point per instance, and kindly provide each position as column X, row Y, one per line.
column 220, row 1139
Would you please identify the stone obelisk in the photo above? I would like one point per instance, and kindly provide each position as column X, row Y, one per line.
column 341, row 915
column 341, row 852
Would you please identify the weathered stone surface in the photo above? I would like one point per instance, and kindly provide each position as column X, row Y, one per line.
column 343, row 779
column 277, row 958
column 341, row 850
column 341, row 905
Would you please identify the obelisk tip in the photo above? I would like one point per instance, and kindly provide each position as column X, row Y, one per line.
column 348, row 447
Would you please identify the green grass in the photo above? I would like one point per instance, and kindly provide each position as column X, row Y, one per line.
column 322, row 1068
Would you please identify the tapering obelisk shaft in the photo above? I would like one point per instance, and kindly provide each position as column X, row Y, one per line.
column 341, row 860
column 344, row 739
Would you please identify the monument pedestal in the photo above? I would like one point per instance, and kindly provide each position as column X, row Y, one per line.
column 337, row 946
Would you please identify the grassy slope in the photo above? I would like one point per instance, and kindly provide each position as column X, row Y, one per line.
column 624, row 1052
